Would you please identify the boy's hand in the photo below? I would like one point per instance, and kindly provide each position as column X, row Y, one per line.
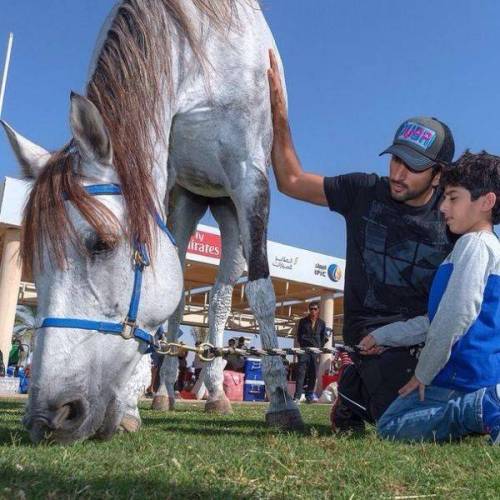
column 413, row 384
column 368, row 346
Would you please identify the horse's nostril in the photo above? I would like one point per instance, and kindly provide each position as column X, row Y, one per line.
column 68, row 415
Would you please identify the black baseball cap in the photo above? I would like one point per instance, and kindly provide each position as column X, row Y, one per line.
column 421, row 142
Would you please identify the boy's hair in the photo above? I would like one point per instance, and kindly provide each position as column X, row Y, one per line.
column 479, row 173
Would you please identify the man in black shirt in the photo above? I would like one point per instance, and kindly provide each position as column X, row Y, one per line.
column 311, row 332
column 396, row 238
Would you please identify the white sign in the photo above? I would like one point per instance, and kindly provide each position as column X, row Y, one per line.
column 13, row 197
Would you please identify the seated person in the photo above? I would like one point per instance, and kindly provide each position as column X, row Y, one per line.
column 242, row 343
column 182, row 367
column 235, row 362
column 456, row 387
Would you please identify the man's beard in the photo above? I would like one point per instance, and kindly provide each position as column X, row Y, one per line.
column 408, row 194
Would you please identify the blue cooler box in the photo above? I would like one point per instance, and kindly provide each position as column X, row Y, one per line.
column 253, row 369
column 254, row 390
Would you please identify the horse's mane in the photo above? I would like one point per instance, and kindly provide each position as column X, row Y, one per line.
column 131, row 74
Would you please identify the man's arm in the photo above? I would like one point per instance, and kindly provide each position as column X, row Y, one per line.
column 290, row 177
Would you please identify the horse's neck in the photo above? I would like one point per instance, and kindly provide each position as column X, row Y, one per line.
column 101, row 37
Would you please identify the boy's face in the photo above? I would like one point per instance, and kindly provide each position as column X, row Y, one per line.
column 462, row 214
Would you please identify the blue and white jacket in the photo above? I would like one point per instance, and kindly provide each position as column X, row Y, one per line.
column 462, row 329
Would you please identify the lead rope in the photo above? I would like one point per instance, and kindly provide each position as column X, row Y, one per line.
column 208, row 352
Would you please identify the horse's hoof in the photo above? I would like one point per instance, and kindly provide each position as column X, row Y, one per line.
column 220, row 406
column 163, row 403
column 286, row 420
column 130, row 423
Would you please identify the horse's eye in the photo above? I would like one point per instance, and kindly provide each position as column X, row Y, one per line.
column 97, row 246
column 100, row 247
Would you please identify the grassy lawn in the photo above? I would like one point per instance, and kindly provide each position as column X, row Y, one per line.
column 188, row 454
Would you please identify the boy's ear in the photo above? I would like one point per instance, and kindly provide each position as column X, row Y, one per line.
column 489, row 201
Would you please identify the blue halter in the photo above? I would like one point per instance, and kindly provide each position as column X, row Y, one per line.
column 127, row 329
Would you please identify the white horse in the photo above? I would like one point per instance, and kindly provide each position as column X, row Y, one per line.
column 182, row 91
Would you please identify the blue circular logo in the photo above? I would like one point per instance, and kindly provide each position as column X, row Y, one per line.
column 334, row 272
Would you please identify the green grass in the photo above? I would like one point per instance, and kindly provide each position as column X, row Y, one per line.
column 189, row 454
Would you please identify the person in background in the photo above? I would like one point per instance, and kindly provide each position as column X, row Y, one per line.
column 14, row 352
column 156, row 362
column 311, row 332
column 197, row 363
column 182, row 366
column 235, row 362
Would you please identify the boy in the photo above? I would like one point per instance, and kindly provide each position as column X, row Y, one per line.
column 456, row 387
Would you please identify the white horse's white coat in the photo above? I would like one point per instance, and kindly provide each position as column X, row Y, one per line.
column 219, row 137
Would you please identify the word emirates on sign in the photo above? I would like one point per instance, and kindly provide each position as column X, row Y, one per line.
column 206, row 244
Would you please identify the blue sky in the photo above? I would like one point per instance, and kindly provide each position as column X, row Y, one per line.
column 354, row 69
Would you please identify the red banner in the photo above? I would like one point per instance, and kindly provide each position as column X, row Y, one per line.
column 206, row 244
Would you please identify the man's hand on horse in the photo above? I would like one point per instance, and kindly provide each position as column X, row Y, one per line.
column 412, row 385
column 277, row 95
column 368, row 346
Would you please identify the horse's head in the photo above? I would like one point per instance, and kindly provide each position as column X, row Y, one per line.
column 78, row 242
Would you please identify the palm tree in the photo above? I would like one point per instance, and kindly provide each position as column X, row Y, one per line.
column 25, row 327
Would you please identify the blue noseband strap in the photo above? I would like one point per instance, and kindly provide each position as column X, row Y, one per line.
column 127, row 329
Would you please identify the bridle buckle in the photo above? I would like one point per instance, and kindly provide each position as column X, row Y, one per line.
column 128, row 329
column 140, row 259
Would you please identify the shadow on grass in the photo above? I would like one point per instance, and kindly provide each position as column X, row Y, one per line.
column 198, row 419
column 46, row 484
column 220, row 425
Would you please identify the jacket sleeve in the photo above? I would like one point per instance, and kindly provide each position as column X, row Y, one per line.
column 459, row 307
column 402, row 333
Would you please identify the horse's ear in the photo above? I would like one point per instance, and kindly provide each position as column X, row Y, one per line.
column 90, row 133
column 31, row 157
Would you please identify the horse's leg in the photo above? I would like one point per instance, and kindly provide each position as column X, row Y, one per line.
column 131, row 421
column 252, row 203
column 186, row 210
column 230, row 269
column 164, row 397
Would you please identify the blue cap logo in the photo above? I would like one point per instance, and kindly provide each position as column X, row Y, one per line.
column 334, row 272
